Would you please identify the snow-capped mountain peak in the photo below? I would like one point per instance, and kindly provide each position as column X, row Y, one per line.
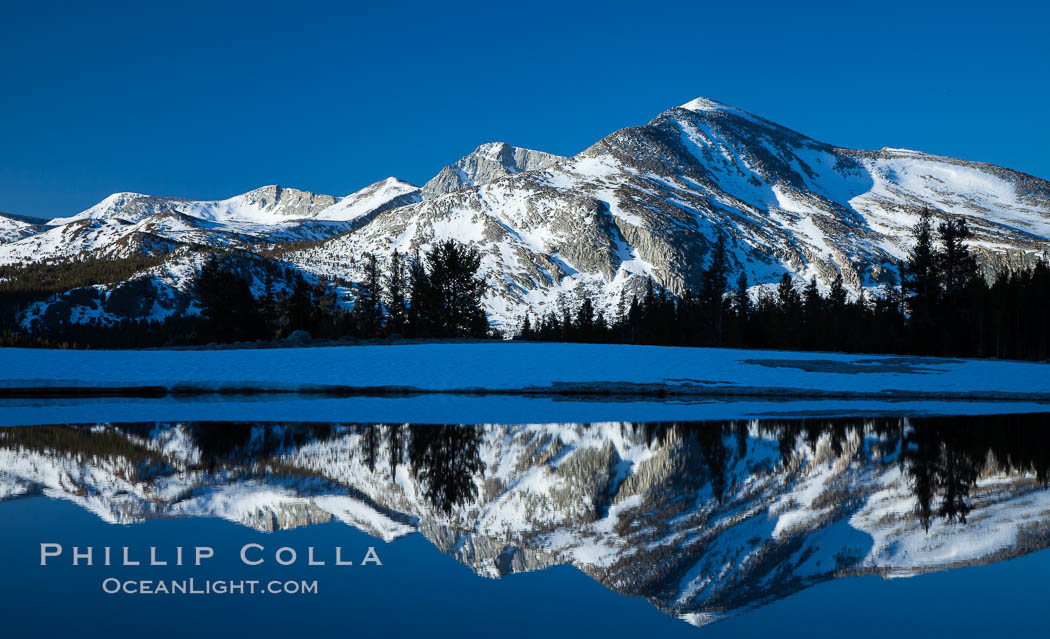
column 268, row 205
column 374, row 198
column 110, row 206
column 127, row 223
column 651, row 200
column 706, row 104
column 644, row 201
column 486, row 163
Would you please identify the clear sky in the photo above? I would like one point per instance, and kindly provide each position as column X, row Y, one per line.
column 207, row 100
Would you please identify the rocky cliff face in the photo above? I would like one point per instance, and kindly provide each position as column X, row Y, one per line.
column 487, row 163
column 645, row 201
column 651, row 201
column 703, row 520
column 283, row 202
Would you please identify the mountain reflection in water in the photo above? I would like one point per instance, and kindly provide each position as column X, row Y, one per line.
column 703, row 519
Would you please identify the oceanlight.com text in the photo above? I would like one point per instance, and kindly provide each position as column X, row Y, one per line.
column 192, row 586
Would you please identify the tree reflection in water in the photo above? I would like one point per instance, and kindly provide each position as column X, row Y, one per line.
column 704, row 519
column 444, row 458
column 943, row 456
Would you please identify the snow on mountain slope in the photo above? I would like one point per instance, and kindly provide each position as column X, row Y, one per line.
column 651, row 200
column 265, row 205
column 16, row 227
column 645, row 201
column 374, row 198
column 158, row 292
column 486, row 163
column 704, row 520
column 129, row 223
column 156, row 233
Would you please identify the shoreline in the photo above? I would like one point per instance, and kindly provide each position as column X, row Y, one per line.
column 596, row 391
column 515, row 369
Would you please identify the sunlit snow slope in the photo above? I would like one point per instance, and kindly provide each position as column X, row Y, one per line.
column 645, row 201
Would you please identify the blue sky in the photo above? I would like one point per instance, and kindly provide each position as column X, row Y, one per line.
column 207, row 100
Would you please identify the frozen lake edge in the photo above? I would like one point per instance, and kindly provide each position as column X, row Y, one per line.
column 578, row 371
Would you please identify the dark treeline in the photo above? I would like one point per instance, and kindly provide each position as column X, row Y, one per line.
column 437, row 294
column 946, row 455
column 943, row 307
column 67, row 284
column 23, row 285
column 36, row 281
column 943, row 457
column 445, row 459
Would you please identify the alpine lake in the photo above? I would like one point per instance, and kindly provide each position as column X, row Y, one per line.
column 920, row 520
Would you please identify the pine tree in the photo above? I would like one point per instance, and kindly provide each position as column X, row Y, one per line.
column 813, row 309
column 367, row 312
column 229, row 311
column 958, row 268
column 961, row 288
column 526, row 328
column 634, row 322
column 714, row 279
column 837, row 296
column 741, row 298
column 713, row 282
column 787, row 296
column 550, row 330
column 298, row 309
column 789, row 308
column 327, row 313
column 842, row 319
column 921, row 284
column 268, row 308
column 450, row 292
column 422, row 309
column 585, row 321
column 397, row 308
column 568, row 330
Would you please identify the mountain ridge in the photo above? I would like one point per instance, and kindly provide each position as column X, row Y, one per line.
column 649, row 201
column 644, row 201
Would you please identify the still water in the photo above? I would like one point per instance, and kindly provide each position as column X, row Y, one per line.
column 866, row 526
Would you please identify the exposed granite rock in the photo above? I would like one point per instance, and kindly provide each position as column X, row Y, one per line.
column 486, row 163
column 651, row 201
column 287, row 515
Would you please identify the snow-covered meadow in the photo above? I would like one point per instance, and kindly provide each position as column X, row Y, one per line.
column 529, row 368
